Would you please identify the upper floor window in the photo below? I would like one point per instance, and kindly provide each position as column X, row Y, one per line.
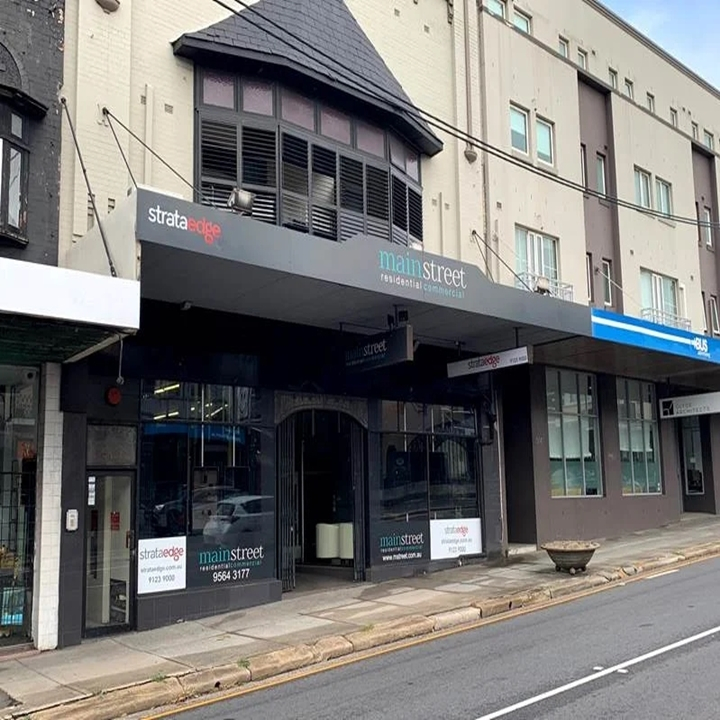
column 497, row 7
column 629, row 89
column 651, row 102
column 582, row 59
column 601, row 173
column 709, row 140
column 695, row 131
column 660, row 297
column 13, row 173
column 545, row 141
column 311, row 167
column 519, row 128
column 537, row 264
column 522, row 21
column 706, row 229
column 664, row 197
column 642, row 188
column 563, row 47
column 613, row 79
column 673, row 117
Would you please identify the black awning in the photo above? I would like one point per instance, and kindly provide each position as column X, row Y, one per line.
column 26, row 340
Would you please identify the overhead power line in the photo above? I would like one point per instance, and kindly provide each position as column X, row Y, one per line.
column 380, row 93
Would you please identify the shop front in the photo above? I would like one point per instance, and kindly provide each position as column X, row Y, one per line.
column 606, row 435
column 48, row 316
column 288, row 419
column 19, row 415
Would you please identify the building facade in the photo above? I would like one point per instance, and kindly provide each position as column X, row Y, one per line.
column 46, row 318
column 375, row 340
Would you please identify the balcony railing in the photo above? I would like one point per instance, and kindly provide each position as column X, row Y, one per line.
column 545, row 286
column 665, row 318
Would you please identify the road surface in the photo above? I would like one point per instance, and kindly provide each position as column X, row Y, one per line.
column 647, row 650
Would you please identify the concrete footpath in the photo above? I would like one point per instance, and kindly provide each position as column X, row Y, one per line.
column 107, row 678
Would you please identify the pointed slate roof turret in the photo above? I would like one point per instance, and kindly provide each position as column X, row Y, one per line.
column 326, row 25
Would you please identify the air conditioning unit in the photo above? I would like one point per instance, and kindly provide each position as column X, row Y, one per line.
column 542, row 285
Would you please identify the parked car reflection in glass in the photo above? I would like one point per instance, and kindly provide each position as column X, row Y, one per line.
column 238, row 515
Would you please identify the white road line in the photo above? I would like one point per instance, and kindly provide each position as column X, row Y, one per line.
column 662, row 574
column 596, row 676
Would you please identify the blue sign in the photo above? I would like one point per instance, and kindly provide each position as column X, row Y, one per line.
column 628, row 330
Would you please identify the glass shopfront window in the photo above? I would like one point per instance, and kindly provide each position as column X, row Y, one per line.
column 202, row 482
column 639, row 438
column 18, row 469
column 429, row 462
column 573, row 434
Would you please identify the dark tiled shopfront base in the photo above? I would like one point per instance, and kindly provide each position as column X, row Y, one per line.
column 161, row 610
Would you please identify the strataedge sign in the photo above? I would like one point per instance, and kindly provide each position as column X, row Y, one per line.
column 486, row 363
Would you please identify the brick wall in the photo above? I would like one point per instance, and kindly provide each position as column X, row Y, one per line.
column 33, row 33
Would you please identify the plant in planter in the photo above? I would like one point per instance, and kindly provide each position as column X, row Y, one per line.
column 571, row 555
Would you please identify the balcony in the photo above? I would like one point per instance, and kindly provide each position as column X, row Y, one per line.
column 660, row 317
column 545, row 286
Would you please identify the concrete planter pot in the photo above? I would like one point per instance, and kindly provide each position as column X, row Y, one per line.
column 571, row 555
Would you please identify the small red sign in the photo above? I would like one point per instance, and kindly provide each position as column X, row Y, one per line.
column 114, row 520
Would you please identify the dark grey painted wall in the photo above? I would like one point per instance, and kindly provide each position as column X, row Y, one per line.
column 72, row 544
column 33, row 33
column 518, row 451
column 527, row 472
column 705, row 197
column 600, row 221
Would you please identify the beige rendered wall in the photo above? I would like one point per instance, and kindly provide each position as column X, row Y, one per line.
column 610, row 43
column 545, row 87
column 529, row 71
column 124, row 61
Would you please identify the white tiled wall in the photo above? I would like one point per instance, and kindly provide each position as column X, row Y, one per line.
column 48, row 525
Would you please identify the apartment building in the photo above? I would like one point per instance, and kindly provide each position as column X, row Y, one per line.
column 48, row 316
column 373, row 340
column 572, row 93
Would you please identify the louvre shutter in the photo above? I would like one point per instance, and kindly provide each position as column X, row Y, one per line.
column 378, row 201
column 218, row 161
column 324, row 193
column 295, row 183
column 415, row 215
column 399, row 211
column 259, row 171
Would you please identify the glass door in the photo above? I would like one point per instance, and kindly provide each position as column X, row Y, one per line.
column 109, row 553
column 692, row 456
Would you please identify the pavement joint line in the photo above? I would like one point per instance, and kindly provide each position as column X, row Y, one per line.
column 700, row 553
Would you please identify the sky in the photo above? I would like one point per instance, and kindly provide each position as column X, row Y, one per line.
column 687, row 29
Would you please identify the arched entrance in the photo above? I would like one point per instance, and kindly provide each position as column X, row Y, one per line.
column 321, row 462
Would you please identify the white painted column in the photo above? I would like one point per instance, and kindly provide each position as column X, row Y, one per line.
column 48, row 525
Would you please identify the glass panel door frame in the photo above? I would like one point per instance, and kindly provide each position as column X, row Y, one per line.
column 691, row 456
column 119, row 598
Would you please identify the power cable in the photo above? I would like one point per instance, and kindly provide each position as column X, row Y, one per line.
column 96, row 214
column 108, row 113
column 120, row 148
column 437, row 122
column 477, row 237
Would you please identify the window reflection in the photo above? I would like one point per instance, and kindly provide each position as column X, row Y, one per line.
column 429, row 462
column 200, row 456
